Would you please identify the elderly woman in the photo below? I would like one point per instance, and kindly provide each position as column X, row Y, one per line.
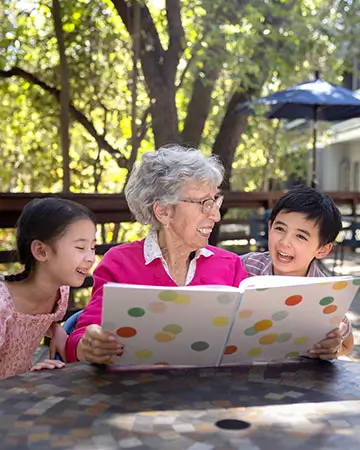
column 176, row 191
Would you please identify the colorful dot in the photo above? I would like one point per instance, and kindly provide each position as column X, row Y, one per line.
column 250, row 331
column 244, row 313
column 200, row 346
column 224, row 299
column 143, row 354
column 356, row 282
column 329, row 309
column 220, row 321
column 167, row 296
column 230, row 349
column 280, row 315
column 263, row 325
column 136, row 312
column 301, row 340
column 164, row 336
column 326, row 301
column 157, row 307
column 284, row 337
column 340, row 285
column 268, row 339
column 173, row 328
column 335, row 320
column 126, row 332
column 255, row 352
column 292, row 354
column 293, row 300
column 182, row 299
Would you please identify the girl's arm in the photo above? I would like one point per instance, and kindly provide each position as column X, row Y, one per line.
column 58, row 337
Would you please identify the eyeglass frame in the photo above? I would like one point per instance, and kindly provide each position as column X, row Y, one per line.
column 217, row 200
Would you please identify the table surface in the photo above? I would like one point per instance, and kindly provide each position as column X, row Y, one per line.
column 308, row 405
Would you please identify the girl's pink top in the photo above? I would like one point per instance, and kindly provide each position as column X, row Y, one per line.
column 21, row 334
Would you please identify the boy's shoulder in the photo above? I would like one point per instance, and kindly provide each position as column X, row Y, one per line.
column 257, row 263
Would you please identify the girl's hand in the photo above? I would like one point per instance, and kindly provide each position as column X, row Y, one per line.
column 98, row 346
column 58, row 341
column 47, row 364
column 330, row 347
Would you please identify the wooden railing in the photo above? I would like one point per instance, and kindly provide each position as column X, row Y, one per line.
column 110, row 208
column 113, row 207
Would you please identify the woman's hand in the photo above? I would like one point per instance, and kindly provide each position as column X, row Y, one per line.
column 98, row 346
column 329, row 348
column 47, row 364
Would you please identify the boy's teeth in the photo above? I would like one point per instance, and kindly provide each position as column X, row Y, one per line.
column 205, row 230
column 284, row 255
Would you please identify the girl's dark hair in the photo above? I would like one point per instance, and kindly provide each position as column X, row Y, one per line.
column 46, row 220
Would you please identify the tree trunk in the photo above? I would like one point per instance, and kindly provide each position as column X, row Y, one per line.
column 165, row 123
column 64, row 96
column 226, row 143
column 199, row 107
column 229, row 136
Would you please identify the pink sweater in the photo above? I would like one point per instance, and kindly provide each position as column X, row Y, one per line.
column 126, row 264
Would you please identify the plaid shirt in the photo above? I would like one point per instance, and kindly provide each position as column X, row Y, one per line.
column 259, row 263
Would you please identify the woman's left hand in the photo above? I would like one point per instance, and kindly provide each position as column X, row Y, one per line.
column 47, row 364
column 330, row 347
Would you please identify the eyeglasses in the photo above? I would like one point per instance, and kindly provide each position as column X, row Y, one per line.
column 207, row 205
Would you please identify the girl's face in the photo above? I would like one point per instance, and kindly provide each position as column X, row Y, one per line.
column 73, row 254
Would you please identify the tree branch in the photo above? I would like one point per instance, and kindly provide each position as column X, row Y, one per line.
column 77, row 115
column 151, row 51
column 176, row 37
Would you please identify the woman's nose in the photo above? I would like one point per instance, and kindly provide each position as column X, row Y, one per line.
column 215, row 213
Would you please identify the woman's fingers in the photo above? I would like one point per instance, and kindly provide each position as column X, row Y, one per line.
column 99, row 346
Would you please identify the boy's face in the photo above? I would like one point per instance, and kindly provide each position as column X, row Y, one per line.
column 294, row 243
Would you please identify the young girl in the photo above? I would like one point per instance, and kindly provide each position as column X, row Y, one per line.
column 55, row 243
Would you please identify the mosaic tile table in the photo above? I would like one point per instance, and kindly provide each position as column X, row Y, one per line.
column 309, row 405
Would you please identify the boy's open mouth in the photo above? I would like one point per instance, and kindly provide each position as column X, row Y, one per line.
column 284, row 256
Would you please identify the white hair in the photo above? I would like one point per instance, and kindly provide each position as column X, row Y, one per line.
column 160, row 175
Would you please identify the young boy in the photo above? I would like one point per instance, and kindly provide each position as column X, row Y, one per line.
column 302, row 228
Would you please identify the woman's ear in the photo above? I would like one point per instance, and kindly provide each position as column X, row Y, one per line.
column 324, row 250
column 163, row 213
column 39, row 250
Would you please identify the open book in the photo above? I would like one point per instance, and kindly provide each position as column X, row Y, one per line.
column 267, row 318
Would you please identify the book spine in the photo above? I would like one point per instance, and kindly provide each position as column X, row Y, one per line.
column 233, row 319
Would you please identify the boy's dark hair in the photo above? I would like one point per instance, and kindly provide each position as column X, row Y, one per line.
column 46, row 220
column 316, row 206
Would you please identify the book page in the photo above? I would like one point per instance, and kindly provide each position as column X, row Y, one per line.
column 169, row 326
column 282, row 322
column 262, row 282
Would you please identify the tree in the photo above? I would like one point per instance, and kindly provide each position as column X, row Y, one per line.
column 199, row 60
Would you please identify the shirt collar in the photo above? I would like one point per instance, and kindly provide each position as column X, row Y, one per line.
column 152, row 249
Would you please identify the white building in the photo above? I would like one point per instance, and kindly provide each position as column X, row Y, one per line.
column 338, row 163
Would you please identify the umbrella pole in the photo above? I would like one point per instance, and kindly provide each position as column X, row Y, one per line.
column 314, row 180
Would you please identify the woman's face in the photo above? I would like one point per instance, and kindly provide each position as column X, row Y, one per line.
column 189, row 226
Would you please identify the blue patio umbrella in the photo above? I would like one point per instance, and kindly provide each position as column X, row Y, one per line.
column 313, row 100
